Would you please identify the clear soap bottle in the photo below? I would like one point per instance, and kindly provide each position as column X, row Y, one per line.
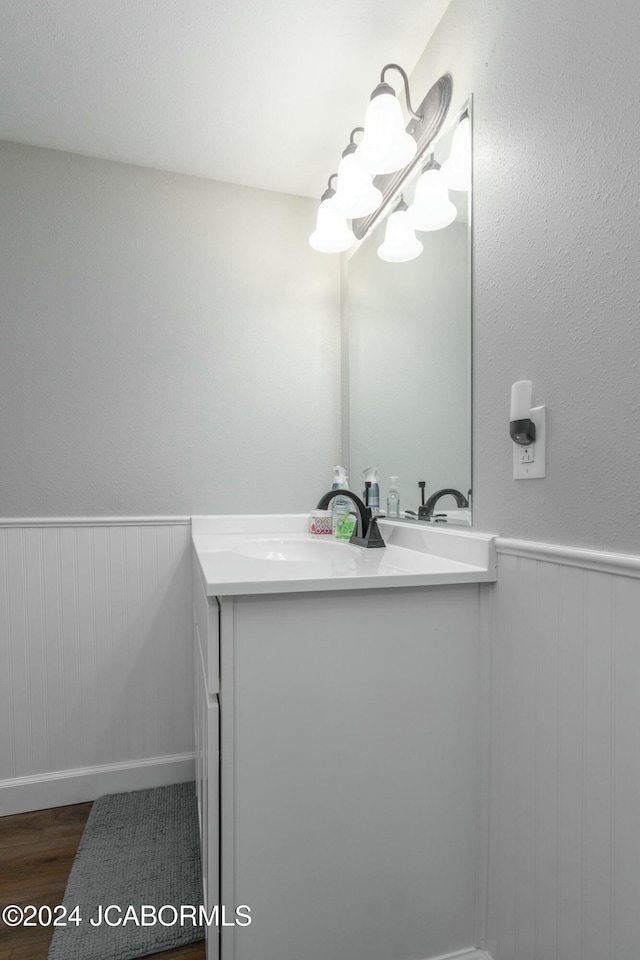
column 393, row 498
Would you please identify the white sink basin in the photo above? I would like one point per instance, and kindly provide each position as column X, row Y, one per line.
column 293, row 550
column 276, row 554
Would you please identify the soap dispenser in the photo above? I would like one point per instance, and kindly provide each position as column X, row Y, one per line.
column 344, row 520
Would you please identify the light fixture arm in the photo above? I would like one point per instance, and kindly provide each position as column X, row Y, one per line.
column 432, row 164
column 352, row 146
column 395, row 66
column 329, row 192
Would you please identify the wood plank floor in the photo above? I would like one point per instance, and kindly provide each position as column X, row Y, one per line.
column 36, row 854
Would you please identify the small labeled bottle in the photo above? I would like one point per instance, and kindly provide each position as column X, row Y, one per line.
column 393, row 498
column 371, row 495
column 344, row 520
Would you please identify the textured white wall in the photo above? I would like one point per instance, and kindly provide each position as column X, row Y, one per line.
column 169, row 345
column 555, row 296
column 556, row 255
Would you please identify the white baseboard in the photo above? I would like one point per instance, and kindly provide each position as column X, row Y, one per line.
column 64, row 787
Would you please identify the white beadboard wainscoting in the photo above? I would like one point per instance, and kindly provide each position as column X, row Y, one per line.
column 95, row 658
column 95, row 697
column 563, row 878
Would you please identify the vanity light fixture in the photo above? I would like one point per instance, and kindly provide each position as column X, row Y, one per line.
column 332, row 233
column 400, row 242
column 355, row 194
column 431, row 208
column 391, row 153
column 456, row 171
column 386, row 146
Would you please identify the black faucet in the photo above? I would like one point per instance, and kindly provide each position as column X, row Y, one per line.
column 425, row 512
column 366, row 533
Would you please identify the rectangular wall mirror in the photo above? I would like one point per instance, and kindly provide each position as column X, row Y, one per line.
column 408, row 340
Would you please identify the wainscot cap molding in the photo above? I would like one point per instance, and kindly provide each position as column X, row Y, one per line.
column 621, row 564
column 93, row 522
column 473, row 954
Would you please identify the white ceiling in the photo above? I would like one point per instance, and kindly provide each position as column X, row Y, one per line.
column 256, row 92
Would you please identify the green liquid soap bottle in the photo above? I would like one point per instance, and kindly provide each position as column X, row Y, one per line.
column 393, row 498
column 344, row 521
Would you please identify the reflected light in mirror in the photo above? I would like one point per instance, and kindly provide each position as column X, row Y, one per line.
column 457, row 169
column 431, row 208
column 400, row 242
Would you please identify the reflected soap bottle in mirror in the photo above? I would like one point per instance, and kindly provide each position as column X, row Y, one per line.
column 393, row 498
column 371, row 492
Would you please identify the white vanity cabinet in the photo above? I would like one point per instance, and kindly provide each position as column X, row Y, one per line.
column 207, row 742
column 349, row 770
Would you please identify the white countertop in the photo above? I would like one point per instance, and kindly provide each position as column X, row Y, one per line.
column 275, row 553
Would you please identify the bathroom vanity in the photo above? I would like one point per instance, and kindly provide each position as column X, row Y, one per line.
column 336, row 717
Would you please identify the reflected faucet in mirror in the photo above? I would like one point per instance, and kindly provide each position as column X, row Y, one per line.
column 425, row 512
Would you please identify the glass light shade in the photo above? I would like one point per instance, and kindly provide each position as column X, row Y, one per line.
column 331, row 235
column 457, row 169
column 356, row 195
column 431, row 208
column 386, row 146
column 400, row 243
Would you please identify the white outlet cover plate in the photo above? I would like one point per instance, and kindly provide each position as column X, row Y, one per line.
column 536, row 469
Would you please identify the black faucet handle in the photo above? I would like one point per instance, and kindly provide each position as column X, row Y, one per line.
column 372, row 537
column 422, row 484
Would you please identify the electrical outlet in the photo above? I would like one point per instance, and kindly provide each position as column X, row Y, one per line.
column 527, row 454
column 530, row 463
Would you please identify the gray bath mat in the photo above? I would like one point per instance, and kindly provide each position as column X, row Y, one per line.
column 137, row 848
